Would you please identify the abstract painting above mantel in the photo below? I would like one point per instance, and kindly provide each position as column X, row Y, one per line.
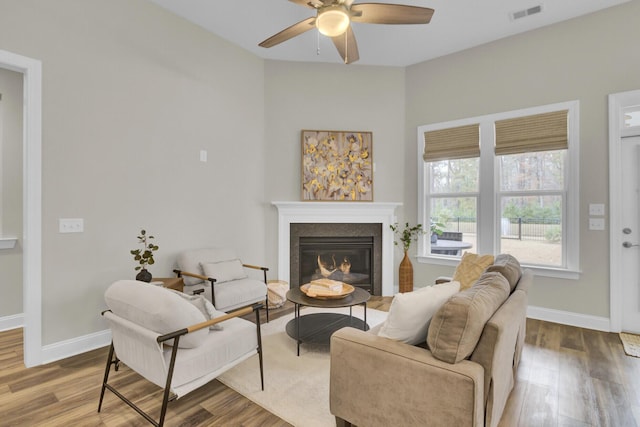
column 337, row 166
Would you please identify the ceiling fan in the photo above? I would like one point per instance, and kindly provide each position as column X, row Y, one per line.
column 333, row 19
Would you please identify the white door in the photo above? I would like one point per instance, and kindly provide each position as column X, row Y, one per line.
column 630, row 232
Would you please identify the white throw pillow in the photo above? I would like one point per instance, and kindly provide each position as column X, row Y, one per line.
column 411, row 312
column 206, row 308
column 224, row 271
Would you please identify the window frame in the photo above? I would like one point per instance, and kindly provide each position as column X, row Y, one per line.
column 488, row 228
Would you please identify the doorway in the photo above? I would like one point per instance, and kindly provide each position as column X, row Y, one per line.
column 624, row 182
column 32, row 204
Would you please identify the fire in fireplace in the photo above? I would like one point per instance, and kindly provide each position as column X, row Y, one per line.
column 346, row 259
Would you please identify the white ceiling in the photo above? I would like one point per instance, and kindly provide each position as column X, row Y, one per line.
column 456, row 25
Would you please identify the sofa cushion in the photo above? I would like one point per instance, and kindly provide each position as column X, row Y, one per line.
column 470, row 268
column 155, row 308
column 456, row 327
column 224, row 271
column 509, row 267
column 411, row 312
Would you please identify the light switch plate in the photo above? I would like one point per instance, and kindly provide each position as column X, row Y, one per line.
column 71, row 225
column 596, row 209
column 596, row 223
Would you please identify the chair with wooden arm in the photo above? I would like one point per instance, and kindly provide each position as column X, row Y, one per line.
column 167, row 339
column 223, row 278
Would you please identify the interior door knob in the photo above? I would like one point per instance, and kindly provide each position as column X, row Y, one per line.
column 629, row 244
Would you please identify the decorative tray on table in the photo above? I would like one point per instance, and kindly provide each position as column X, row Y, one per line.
column 326, row 289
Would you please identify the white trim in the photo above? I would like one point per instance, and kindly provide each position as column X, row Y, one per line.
column 617, row 101
column 74, row 346
column 488, row 206
column 11, row 322
column 338, row 212
column 32, row 201
column 569, row 318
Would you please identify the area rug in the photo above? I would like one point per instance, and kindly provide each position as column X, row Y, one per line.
column 631, row 344
column 296, row 389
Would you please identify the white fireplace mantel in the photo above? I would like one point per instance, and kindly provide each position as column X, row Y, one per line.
column 338, row 212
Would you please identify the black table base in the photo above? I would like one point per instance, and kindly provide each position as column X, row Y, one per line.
column 317, row 328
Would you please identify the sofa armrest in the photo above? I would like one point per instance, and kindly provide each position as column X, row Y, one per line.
column 375, row 381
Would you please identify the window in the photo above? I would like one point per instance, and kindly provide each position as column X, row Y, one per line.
column 516, row 193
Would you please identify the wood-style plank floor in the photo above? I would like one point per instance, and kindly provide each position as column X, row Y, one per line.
column 568, row 377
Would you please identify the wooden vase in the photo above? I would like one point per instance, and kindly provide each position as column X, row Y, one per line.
column 406, row 274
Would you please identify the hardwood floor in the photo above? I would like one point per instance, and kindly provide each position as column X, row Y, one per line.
column 568, row 377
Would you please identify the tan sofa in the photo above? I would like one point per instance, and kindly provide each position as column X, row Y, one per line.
column 376, row 381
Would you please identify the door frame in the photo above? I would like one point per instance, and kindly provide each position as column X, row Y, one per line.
column 31, row 70
column 617, row 102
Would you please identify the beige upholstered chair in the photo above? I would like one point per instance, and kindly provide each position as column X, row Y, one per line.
column 177, row 341
column 231, row 285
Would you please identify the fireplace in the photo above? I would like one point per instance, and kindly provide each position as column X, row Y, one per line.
column 350, row 253
column 333, row 219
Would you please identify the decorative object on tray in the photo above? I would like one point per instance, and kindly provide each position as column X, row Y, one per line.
column 144, row 256
column 407, row 235
column 337, row 166
column 326, row 289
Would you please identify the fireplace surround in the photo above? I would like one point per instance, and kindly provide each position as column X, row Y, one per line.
column 352, row 216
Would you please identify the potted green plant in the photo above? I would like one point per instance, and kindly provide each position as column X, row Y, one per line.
column 144, row 256
column 407, row 235
column 436, row 230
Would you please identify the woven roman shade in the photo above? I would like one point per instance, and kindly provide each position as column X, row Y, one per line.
column 540, row 132
column 461, row 142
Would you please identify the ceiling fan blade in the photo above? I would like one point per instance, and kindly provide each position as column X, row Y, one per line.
column 347, row 46
column 290, row 32
column 314, row 4
column 384, row 13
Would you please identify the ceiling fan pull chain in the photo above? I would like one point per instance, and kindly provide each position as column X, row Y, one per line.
column 318, row 43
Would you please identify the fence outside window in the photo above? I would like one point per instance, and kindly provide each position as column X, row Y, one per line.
column 543, row 229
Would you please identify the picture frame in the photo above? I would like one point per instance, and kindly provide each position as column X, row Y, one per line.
column 337, row 165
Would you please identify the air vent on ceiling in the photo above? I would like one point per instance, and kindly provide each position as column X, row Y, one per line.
column 526, row 12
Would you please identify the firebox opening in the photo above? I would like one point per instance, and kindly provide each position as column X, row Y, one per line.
column 346, row 259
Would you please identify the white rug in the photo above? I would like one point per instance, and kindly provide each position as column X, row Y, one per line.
column 295, row 388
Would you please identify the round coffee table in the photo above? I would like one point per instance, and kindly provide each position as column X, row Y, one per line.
column 317, row 328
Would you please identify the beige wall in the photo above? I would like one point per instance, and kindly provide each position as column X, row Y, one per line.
column 11, row 191
column 131, row 94
column 585, row 59
column 331, row 97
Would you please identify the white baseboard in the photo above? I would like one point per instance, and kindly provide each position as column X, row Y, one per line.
column 74, row 346
column 579, row 320
column 11, row 322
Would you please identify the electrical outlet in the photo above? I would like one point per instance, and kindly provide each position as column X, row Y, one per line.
column 596, row 209
column 203, row 156
column 596, row 223
column 71, row 225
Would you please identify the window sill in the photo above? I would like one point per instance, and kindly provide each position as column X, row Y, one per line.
column 7, row 242
column 558, row 273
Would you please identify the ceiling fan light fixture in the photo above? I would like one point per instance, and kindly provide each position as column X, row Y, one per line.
column 332, row 21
